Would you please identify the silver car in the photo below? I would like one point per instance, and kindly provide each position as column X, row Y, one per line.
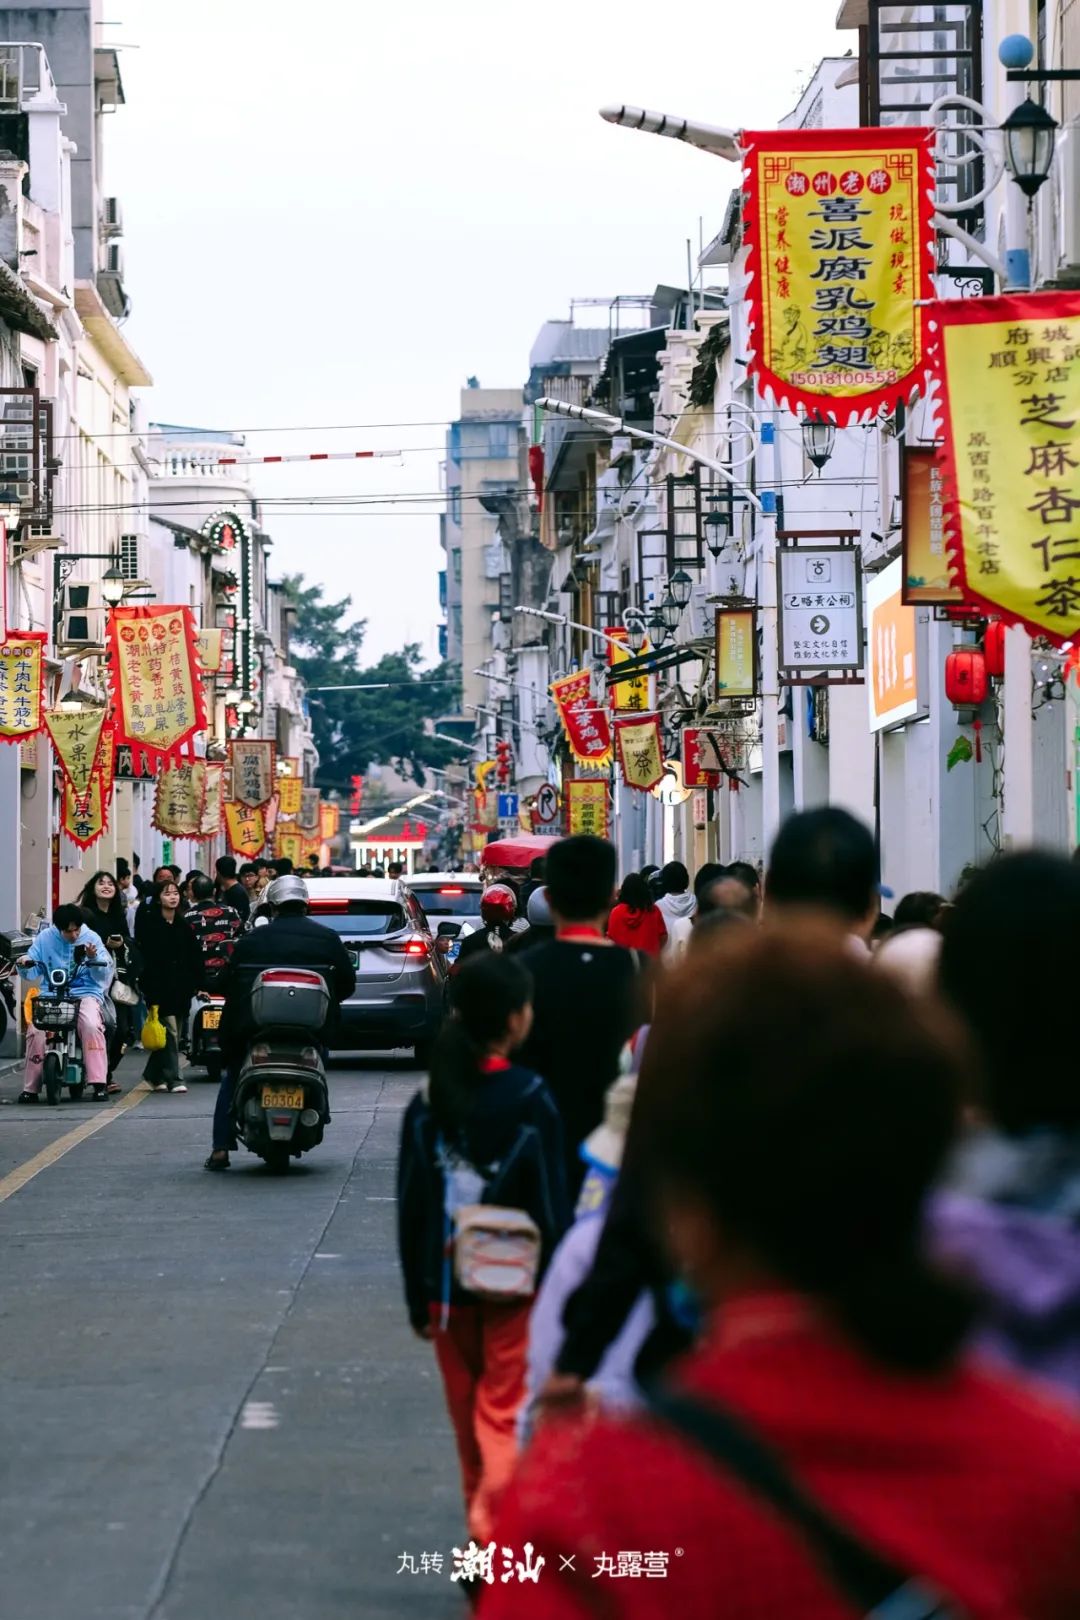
column 451, row 902
column 401, row 975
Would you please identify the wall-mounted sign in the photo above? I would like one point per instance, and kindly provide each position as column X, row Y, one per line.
column 927, row 576
column 736, row 673
column 892, row 675
column 819, row 596
column 695, row 773
column 587, row 808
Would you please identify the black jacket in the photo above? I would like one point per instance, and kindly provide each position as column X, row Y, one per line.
column 172, row 965
column 285, row 942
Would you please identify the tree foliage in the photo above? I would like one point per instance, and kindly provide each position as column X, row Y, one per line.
column 355, row 729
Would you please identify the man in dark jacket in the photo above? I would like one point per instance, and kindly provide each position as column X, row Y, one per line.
column 292, row 939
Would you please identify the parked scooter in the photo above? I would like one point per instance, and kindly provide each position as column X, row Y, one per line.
column 12, row 946
column 280, row 1100
column 205, row 1050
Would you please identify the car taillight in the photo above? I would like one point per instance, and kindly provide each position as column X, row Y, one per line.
column 451, row 891
column 408, row 947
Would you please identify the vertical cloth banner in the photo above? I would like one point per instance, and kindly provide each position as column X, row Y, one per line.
column 640, row 753
column 329, row 820
column 1009, row 400
column 253, row 779
column 840, row 250
column 632, row 695
column 22, row 702
column 245, row 830
column 309, row 811
column 290, row 791
column 289, row 845
column 105, row 767
column 180, row 799
column 695, row 774
column 584, row 722
column 154, row 666
column 209, row 646
column 83, row 820
column 76, row 737
column 587, row 809
column 214, row 800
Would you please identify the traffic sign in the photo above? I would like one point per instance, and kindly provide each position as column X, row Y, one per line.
column 547, row 804
column 508, row 806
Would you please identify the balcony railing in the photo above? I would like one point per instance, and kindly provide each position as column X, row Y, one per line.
column 24, row 75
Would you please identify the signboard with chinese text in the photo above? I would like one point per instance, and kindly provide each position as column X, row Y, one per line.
column 640, row 752
column 927, row 575
column 695, row 774
column 630, row 696
column 841, row 249
column 736, row 672
column 253, row 777
column 587, row 809
column 76, row 734
column 289, row 845
column 208, row 644
column 586, row 724
column 289, row 792
column 21, row 675
column 309, row 810
column 329, row 820
column 214, row 800
column 819, row 597
column 155, row 677
column 892, row 676
column 83, row 820
column 180, row 799
column 1010, row 455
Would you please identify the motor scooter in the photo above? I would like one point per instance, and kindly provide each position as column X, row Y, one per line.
column 56, row 1014
column 205, row 1050
column 280, row 1099
column 12, row 946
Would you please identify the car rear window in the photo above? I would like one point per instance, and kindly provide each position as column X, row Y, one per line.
column 360, row 919
column 451, row 901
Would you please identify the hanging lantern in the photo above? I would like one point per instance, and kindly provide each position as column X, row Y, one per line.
column 994, row 648
column 965, row 678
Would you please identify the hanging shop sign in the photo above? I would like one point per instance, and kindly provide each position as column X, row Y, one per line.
column 309, row 811
column 155, row 677
column 841, row 250
column 640, row 752
column 329, row 820
column 290, row 791
column 892, row 672
column 289, row 846
column 587, row 808
column 214, row 801
column 209, row 646
column 632, row 695
column 819, row 596
column 1010, row 454
column 695, row 774
column 180, row 799
column 76, row 736
column 245, row 830
column 927, row 575
column 84, row 820
column 21, row 674
column 253, row 778
column 105, row 766
column 736, row 660
column 586, row 724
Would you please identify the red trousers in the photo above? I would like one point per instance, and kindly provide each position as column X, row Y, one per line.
column 481, row 1354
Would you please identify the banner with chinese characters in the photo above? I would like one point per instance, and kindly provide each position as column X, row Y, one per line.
column 640, row 753
column 21, row 674
column 289, row 846
column 76, row 736
column 927, row 576
column 329, row 820
column 736, row 649
column 253, row 779
column 105, row 766
column 245, row 830
column 84, row 820
column 309, row 811
column 695, row 774
column 587, row 808
column 841, row 249
column 208, row 644
column 1010, row 453
column 630, row 696
column 155, row 677
column 290, row 791
column 180, row 799
column 584, row 721
column 214, row 800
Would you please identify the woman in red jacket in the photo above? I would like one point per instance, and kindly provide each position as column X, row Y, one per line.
column 637, row 921
column 798, row 1106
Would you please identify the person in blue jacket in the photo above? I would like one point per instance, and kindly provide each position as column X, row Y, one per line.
column 71, row 945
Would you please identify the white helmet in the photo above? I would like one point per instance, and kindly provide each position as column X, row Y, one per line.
column 286, row 888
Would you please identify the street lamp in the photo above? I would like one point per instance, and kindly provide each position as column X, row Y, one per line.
column 669, row 611
column 1029, row 134
column 113, row 586
column 680, row 587
column 819, row 440
column 634, row 624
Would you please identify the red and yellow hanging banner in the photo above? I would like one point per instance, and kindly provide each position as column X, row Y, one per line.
column 329, row 820
column 253, row 778
column 309, row 811
column 84, row 820
column 209, row 646
column 105, row 767
column 586, row 724
column 289, row 846
column 21, row 674
column 640, row 753
column 632, row 695
column 214, row 799
column 76, row 736
column 180, row 799
column 155, row 677
column 245, row 830
column 587, row 808
column 290, row 790
column 841, row 248
column 1010, row 455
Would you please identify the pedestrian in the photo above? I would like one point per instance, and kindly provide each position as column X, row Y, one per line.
column 106, row 915
column 172, row 973
column 162, row 874
column 216, row 927
column 910, row 956
column 138, row 882
column 128, row 891
column 585, row 991
column 678, row 905
column 636, row 921
column 727, row 894
column 187, row 887
column 827, row 1449
column 1009, row 1214
column 485, row 1132
column 743, row 872
column 229, row 887
column 283, row 866
column 825, row 860
column 541, row 924
column 920, row 909
column 248, row 874
column 395, row 871
column 267, row 872
column 498, row 912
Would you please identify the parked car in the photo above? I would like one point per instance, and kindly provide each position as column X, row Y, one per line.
column 401, row 976
column 451, row 902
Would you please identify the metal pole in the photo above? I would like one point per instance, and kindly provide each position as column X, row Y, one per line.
column 1018, row 775
column 770, row 679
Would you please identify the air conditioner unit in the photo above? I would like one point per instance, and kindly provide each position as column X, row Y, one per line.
column 82, row 618
column 112, row 219
column 114, row 260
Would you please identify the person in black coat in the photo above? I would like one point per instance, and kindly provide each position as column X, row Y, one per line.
column 292, row 939
column 170, row 977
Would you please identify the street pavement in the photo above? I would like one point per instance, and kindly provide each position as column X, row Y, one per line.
column 211, row 1405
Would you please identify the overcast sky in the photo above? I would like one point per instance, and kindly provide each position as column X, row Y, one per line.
column 332, row 229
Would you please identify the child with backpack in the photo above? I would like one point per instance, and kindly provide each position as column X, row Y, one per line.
column 482, row 1203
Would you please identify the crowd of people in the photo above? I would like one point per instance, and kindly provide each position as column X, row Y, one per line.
column 744, row 1221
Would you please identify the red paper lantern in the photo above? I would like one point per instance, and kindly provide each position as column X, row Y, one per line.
column 965, row 677
column 994, row 648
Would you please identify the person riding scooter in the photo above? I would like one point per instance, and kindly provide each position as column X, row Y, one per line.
column 70, row 945
column 498, row 908
column 290, row 939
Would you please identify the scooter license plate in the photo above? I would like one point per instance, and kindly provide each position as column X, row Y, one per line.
column 283, row 1096
column 211, row 1017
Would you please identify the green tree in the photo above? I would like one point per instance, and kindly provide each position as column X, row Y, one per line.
column 353, row 729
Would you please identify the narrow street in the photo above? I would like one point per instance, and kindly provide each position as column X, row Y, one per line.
column 210, row 1402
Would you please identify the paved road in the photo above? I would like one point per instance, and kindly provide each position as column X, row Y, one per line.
column 210, row 1404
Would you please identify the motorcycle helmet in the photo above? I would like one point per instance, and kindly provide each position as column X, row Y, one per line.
column 498, row 904
column 284, row 889
column 538, row 910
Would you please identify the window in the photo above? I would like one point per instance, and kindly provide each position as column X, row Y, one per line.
column 455, row 564
column 129, row 556
column 455, row 505
column 499, row 441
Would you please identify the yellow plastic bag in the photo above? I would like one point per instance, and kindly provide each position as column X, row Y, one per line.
column 153, row 1033
column 28, row 1005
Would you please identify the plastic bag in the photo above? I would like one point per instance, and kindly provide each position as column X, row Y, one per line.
column 153, row 1033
